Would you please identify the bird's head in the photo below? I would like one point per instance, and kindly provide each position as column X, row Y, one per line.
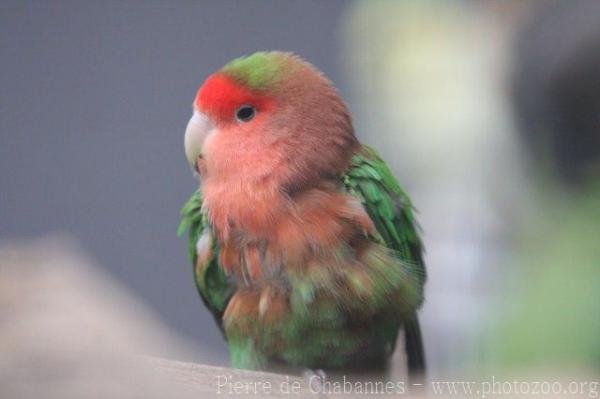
column 270, row 113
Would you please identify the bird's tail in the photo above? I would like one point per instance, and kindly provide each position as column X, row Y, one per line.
column 414, row 347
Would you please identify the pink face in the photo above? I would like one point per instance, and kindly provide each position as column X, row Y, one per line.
column 222, row 105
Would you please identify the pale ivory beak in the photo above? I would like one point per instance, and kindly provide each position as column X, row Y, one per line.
column 198, row 128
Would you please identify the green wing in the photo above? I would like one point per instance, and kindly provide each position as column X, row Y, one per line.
column 211, row 281
column 389, row 207
column 391, row 210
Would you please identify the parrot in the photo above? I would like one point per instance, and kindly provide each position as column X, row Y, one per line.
column 304, row 246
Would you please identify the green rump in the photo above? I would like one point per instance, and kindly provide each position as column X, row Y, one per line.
column 331, row 331
column 257, row 71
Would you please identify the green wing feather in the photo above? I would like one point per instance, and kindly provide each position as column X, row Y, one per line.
column 389, row 207
column 212, row 283
column 392, row 212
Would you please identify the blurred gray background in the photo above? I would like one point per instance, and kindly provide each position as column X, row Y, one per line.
column 94, row 101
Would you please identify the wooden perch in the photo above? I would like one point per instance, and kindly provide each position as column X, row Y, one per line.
column 209, row 381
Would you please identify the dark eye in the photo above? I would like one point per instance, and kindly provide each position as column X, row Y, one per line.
column 245, row 113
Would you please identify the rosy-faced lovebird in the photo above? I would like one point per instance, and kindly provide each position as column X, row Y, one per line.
column 305, row 248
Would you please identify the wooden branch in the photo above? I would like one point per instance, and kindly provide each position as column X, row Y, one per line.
column 209, row 381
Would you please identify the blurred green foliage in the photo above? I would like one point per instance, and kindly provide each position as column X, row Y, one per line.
column 553, row 317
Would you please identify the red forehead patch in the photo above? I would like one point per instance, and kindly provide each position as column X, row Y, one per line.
column 220, row 96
